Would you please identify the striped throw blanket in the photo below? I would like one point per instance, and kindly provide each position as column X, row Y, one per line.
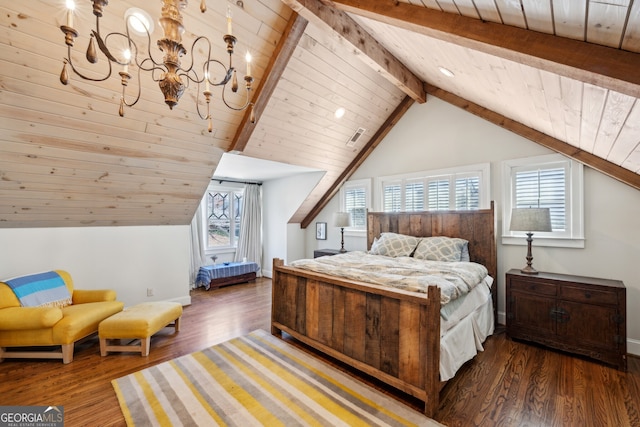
column 40, row 290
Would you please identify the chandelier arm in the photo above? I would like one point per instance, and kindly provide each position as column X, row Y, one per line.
column 135, row 101
column 227, row 77
column 155, row 67
column 193, row 49
column 75, row 70
column 246, row 104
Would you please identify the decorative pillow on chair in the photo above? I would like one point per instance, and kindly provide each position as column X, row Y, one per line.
column 394, row 245
column 441, row 248
column 41, row 290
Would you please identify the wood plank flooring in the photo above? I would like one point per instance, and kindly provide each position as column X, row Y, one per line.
column 509, row 384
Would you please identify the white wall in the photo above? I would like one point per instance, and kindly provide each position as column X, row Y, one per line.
column 126, row 259
column 437, row 135
column 281, row 198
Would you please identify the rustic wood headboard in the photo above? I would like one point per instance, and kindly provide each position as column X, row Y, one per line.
column 476, row 226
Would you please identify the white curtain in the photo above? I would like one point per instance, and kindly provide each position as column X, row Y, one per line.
column 250, row 242
column 197, row 247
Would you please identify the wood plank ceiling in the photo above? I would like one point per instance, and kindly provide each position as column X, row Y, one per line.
column 562, row 73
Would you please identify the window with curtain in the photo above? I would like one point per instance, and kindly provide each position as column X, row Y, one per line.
column 552, row 181
column 461, row 188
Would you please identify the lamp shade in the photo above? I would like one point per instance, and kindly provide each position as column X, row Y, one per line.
column 341, row 219
column 530, row 219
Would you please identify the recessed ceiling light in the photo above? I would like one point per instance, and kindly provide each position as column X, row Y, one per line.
column 339, row 113
column 139, row 20
column 446, row 72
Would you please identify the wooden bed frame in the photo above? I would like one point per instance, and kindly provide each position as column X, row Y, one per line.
column 390, row 334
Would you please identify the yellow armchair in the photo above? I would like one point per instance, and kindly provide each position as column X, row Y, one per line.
column 52, row 326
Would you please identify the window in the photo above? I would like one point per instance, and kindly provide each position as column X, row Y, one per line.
column 461, row 188
column 222, row 216
column 355, row 198
column 553, row 181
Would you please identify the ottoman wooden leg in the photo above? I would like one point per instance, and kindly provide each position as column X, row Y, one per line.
column 67, row 353
column 176, row 324
column 103, row 346
column 144, row 346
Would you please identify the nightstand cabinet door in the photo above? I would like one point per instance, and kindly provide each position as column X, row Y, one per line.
column 528, row 314
column 582, row 315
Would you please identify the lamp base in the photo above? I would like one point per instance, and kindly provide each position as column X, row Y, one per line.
column 528, row 270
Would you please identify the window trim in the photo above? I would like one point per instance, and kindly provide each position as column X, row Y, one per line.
column 357, row 183
column 482, row 169
column 572, row 238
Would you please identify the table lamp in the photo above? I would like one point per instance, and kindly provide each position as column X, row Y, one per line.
column 530, row 220
column 342, row 220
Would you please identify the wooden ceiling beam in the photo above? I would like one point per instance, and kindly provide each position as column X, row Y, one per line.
column 606, row 167
column 276, row 66
column 599, row 65
column 375, row 140
column 371, row 52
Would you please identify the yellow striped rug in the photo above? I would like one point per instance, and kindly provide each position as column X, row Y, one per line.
column 255, row 380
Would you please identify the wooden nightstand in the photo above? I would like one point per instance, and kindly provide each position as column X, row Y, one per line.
column 322, row 252
column 581, row 315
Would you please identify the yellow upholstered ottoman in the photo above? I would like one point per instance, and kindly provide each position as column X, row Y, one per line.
column 138, row 323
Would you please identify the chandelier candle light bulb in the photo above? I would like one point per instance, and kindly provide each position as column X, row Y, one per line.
column 229, row 21
column 70, row 8
column 248, row 59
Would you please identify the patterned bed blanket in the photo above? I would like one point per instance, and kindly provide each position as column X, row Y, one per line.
column 453, row 278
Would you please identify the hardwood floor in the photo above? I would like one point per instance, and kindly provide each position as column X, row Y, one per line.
column 509, row 384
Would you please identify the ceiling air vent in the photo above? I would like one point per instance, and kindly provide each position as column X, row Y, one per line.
column 356, row 136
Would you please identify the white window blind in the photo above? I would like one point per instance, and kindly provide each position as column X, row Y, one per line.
column 356, row 204
column 414, row 197
column 392, row 198
column 468, row 192
column 543, row 188
column 438, row 194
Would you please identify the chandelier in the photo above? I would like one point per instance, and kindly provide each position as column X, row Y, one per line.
column 172, row 77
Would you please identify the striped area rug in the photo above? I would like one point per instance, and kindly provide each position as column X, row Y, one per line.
column 255, row 380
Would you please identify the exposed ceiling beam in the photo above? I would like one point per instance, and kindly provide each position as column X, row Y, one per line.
column 371, row 52
column 606, row 167
column 276, row 66
column 375, row 140
column 611, row 68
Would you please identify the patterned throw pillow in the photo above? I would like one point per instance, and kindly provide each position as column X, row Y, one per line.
column 394, row 245
column 440, row 248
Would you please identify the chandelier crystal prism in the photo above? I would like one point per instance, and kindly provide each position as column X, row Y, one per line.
column 172, row 77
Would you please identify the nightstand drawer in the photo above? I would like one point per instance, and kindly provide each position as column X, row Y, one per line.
column 536, row 287
column 592, row 296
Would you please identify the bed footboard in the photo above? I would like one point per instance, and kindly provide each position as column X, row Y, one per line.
column 389, row 334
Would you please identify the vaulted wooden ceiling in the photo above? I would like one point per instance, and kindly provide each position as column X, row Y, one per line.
column 561, row 73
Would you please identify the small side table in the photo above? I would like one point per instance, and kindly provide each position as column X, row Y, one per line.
column 324, row 252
